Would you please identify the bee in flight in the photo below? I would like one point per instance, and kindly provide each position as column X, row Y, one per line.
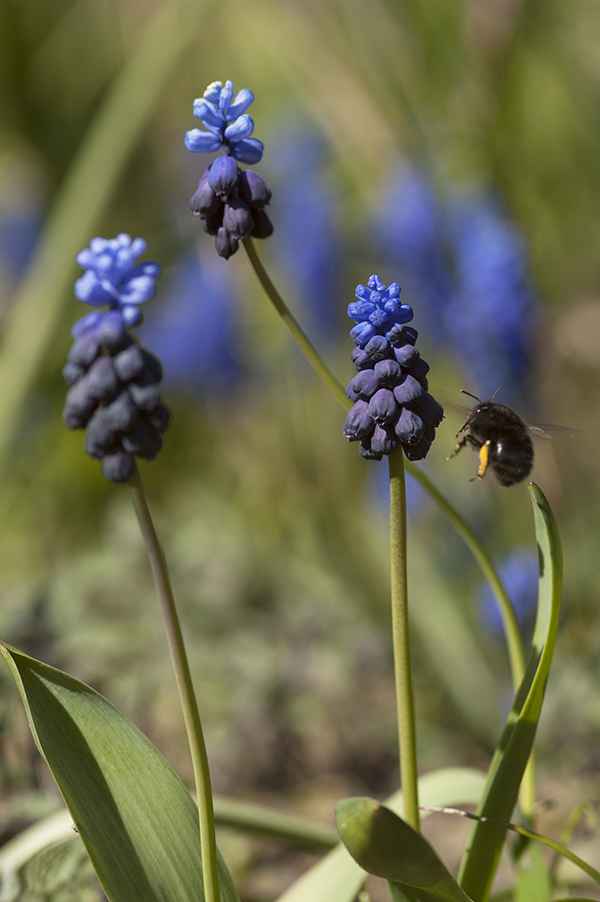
column 502, row 439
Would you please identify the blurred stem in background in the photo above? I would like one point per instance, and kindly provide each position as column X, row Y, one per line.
column 185, row 687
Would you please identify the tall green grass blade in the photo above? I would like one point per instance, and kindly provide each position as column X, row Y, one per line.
column 511, row 756
column 82, row 201
column 137, row 820
column 338, row 877
column 385, row 845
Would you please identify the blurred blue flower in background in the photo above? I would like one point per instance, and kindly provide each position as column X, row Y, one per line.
column 194, row 333
column 492, row 316
column 409, row 232
column 228, row 124
column 307, row 241
column 19, row 233
column 519, row 571
column 466, row 263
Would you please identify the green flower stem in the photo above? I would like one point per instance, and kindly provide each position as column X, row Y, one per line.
column 401, row 640
column 296, row 332
column 158, row 565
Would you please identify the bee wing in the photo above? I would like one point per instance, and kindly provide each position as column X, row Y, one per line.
column 545, row 430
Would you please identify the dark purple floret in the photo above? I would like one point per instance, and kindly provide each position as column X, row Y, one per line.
column 359, row 423
column 226, row 245
column 253, row 189
column 205, row 201
column 223, row 175
column 263, row 227
column 392, row 405
column 383, row 407
column 237, row 219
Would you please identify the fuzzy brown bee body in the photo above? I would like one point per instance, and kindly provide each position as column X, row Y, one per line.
column 502, row 439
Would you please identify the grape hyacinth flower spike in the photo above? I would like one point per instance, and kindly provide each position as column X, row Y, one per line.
column 229, row 201
column 114, row 393
column 392, row 406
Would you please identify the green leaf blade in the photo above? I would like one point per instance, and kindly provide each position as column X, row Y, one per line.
column 385, row 845
column 513, row 751
column 136, row 818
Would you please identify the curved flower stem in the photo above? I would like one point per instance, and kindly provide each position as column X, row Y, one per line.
column 401, row 639
column 317, row 363
column 481, row 555
column 193, row 726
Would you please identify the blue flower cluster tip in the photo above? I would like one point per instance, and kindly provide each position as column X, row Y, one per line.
column 377, row 310
column 114, row 393
column 391, row 405
column 112, row 279
column 228, row 124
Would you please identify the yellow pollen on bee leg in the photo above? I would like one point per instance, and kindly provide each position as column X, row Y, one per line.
column 484, row 459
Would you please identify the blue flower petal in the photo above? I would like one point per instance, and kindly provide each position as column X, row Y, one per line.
column 243, row 100
column 248, row 150
column 241, row 128
column 362, row 333
column 226, row 96
column 362, row 293
column 137, row 290
column 208, row 112
column 87, row 322
column 378, row 317
column 213, row 92
column 201, row 142
column 91, row 290
column 392, row 291
column 361, row 310
column 375, row 283
column 132, row 316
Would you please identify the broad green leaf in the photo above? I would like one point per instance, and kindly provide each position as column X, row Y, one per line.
column 532, row 878
column 338, row 877
column 385, row 845
column 137, row 820
column 511, row 756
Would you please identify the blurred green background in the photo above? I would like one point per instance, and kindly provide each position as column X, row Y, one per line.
column 274, row 528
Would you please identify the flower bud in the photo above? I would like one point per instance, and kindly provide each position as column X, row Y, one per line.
column 253, row 189
column 237, row 218
column 223, row 175
column 383, row 407
column 359, row 424
column 263, row 227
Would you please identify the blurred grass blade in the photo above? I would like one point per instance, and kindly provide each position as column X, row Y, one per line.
column 511, row 756
column 137, row 820
column 338, row 877
column 384, row 845
column 82, row 201
column 532, row 877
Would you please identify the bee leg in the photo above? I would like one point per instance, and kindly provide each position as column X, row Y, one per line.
column 461, row 444
column 484, row 459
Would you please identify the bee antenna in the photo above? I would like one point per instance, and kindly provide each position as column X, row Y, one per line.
column 496, row 392
column 473, row 396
